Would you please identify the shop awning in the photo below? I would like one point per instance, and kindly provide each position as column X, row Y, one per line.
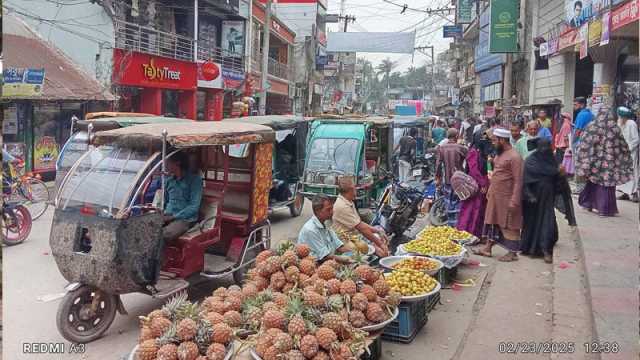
column 63, row 79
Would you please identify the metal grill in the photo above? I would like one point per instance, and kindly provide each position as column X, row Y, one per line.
column 228, row 60
column 148, row 40
column 275, row 68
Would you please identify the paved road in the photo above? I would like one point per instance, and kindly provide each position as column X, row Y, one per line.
column 33, row 288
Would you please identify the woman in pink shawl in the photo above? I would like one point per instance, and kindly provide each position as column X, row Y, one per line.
column 562, row 137
column 471, row 217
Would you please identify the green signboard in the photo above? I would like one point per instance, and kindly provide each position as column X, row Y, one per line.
column 465, row 11
column 504, row 26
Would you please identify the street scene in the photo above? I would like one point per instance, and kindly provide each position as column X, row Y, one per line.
column 302, row 179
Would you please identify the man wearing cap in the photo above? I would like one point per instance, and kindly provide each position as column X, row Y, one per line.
column 503, row 216
column 450, row 158
column 630, row 133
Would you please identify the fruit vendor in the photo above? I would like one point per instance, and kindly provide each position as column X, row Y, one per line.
column 316, row 233
column 346, row 218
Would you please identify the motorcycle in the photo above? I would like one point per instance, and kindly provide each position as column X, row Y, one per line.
column 16, row 223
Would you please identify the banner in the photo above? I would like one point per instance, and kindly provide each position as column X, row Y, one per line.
column 503, row 28
column 464, row 11
column 554, row 44
column 577, row 12
column 45, row 153
column 144, row 70
column 22, row 82
column 595, row 32
column 568, row 39
column 606, row 21
column 599, row 6
column 233, row 36
column 452, row 31
column 584, row 40
column 625, row 14
column 232, row 79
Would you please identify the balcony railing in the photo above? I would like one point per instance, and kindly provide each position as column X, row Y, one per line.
column 148, row 40
column 275, row 68
column 228, row 60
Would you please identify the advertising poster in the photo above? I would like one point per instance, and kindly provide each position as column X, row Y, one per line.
column 577, row 12
column 595, row 32
column 584, row 40
column 232, row 79
column 17, row 150
column 625, row 14
column 599, row 6
column 465, row 11
column 503, row 26
column 233, row 36
column 10, row 123
column 606, row 20
column 21, row 82
column 45, row 153
column 554, row 43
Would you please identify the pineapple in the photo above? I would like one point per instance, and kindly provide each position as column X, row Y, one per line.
column 332, row 321
column 187, row 329
column 307, row 267
column 220, row 292
column 335, row 302
column 278, row 280
column 359, row 301
column 270, row 305
column 263, row 256
column 273, row 264
column 326, row 272
column 232, row 304
column 253, row 317
column 302, row 250
column 159, row 326
column 294, row 355
column 249, row 290
column 233, row 318
column 234, row 294
column 302, row 279
column 326, row 338
column 342, row 353
column 375, row 313
column 172, row 306
column 261, row 283
column 204, row 333
column 273, row 332
column 147, row 350
column 334, row 264
column 297, row 326
column 168, row 352
column 188, row 310
column 320, row 286
column 333, row 286
column 292, row 274
column 214, row 318
column 188, row 351
column 145, row 334
column 348, row 287
column 273, row 319
column 283, row 342
column 280, row 299
column 309, row 346
column 363, row 272
column 272, row 353
column 156, row 314
column 313, row 299
column 222, row 333
column 216, row 351
column 369, row 292
column 321, row 355
column 357, row 318
column 373, row 276
column 263, row 342
column 381, row 287
column 289, row 258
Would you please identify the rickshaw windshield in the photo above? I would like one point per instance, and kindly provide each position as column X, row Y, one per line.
column 103, row 178
column 334, row 154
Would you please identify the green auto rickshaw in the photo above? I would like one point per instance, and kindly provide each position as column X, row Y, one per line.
column 288, row 159
column 358, row 147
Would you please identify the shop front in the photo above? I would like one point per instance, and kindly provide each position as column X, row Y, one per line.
column 155, row 85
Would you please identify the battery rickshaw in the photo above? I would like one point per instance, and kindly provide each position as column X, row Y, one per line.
column 289, row 152
column 107, row 238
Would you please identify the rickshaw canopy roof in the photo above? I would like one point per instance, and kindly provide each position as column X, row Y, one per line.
column 276, row 122
column 408, row 121
column 112, row 114
column 183, row 135
column 377, row 121
column 344, row 131
column 109, row 123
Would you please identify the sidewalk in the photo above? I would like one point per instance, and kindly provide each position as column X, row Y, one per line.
column 610, row 248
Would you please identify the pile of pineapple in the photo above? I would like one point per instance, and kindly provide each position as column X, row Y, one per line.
column 294, row 307
column 187, row 331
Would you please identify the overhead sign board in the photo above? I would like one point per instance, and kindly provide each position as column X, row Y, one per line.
column 22, row 82
column 452, row 31
column 465, row 11
column 503, row 26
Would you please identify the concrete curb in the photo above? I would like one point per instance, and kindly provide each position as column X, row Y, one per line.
column 572, row 315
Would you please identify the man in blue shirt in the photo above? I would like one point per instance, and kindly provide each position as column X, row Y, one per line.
column 183, row 194
column 316, row 233
column 583, row 117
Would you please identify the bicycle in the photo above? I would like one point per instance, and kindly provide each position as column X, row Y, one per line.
column 16, row 223
column 28, row 190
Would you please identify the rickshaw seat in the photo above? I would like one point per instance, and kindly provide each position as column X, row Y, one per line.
column 235, row 217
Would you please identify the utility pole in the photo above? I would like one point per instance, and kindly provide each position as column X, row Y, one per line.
column 433, row 76
column 264, row 73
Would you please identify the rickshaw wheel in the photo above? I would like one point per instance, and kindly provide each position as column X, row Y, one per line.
column 295, row 208
column 76, row 321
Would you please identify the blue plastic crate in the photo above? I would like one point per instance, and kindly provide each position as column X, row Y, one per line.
column 411, row 319
column 446, row 276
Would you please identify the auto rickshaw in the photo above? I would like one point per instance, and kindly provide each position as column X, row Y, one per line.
column 361, row 148
column 78, row 143
column 401, row 126
column 288, row 159
column 106, row 237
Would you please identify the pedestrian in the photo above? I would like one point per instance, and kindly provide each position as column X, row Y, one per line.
column 439, row 133
column 516, row 133
column 503, row 216
column 561, row 141
column 533, row 128
column 603, row 159
column 471, row 217
column 466, row 131
column 541, row 178
column 630, row 134
column 449, row 159
column 583, row 117
column 543, row 119
column 406, row 150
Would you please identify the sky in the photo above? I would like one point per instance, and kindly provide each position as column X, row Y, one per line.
column 381, row 16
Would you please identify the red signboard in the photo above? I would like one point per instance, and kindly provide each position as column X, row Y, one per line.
column 625, row 14
column 568, row 38
column 143, row 70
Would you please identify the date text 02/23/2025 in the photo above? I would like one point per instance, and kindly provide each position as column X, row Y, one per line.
column 52, row 348
column 549, row 347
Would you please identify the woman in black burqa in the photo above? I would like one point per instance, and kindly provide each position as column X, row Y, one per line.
column 544, row 181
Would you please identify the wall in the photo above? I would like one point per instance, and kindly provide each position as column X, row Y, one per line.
column 78, row 31
column 558, row 81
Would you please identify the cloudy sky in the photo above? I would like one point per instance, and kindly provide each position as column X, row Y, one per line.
column 381, row 16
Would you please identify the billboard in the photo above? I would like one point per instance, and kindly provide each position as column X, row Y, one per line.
column 504, row 26
column 233, row 36
column 577, row 12
column 22, row 82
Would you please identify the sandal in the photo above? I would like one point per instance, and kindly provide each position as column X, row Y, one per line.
column 508, row 258
column 481, row 252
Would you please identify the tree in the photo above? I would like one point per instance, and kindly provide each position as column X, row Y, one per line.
column 385, row 68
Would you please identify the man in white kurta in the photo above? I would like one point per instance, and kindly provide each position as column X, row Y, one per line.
column 630, row 133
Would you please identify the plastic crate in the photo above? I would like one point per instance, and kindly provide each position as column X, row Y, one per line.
column 447, row 276
column 375, row 350
column 412, row 317
column 432, row 301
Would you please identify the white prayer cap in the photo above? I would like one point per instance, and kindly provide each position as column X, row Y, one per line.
column 502, row 133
